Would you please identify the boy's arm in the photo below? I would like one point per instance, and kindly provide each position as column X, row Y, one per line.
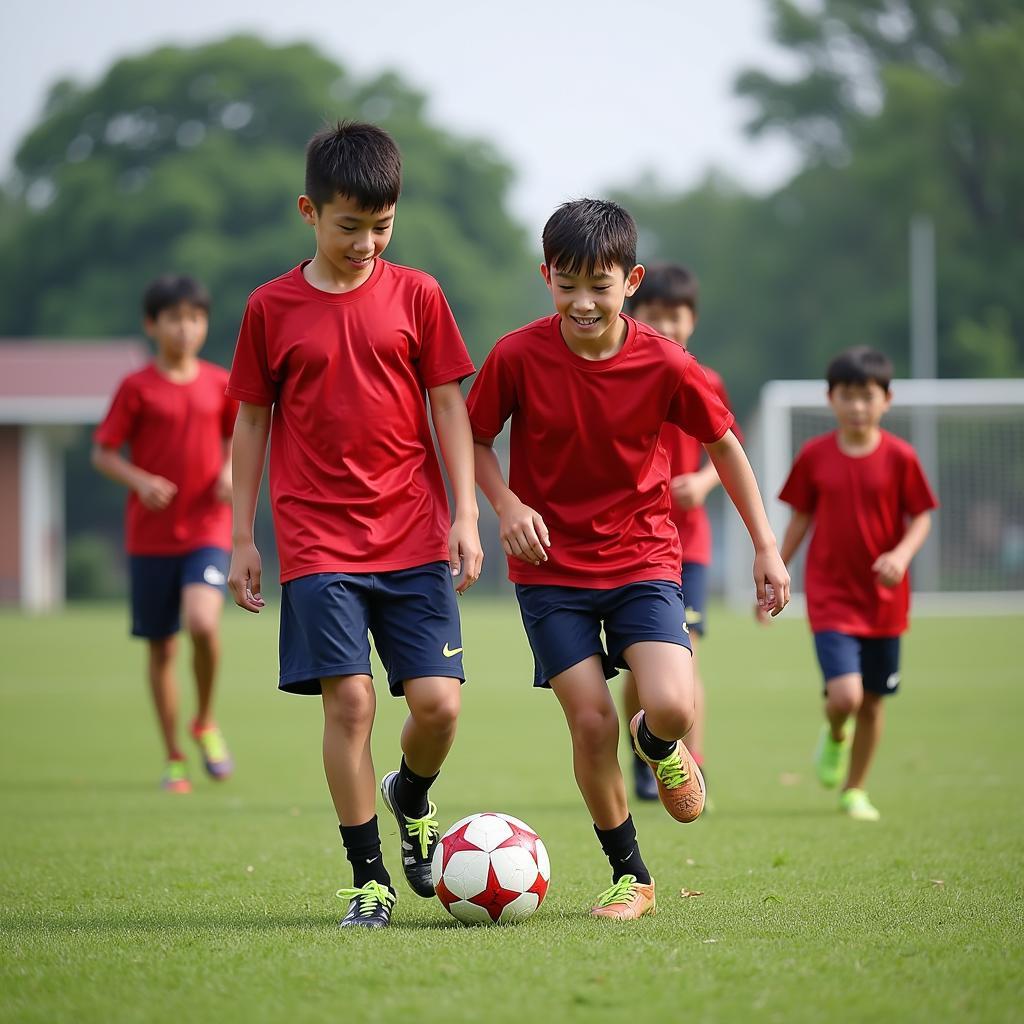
column 799, row 524
column 155, row 492
column 451, row 423
column 248, row 453
column 892, row 566
column 691, row 490
column 523, row 532
column 738, row 479
column 224, row 479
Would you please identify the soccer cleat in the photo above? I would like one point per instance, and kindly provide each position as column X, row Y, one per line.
column 854, row 803
column 419, row 839
column 216, row 759
column 680, row 782
column 626, row 900
column 644, row 783
column 831, row 759
column 175, row 778
column 370, row 906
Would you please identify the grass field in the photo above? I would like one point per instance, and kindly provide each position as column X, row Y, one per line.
column 121, row 903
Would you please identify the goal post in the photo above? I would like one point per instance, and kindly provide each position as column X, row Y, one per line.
column 969, row 435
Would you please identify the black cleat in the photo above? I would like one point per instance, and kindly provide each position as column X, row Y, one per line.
column 644, row 782
column 370, row 907
column 419, row 839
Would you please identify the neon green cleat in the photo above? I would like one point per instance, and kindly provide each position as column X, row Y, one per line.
column 175, row 778
column 854, row 803
column 831, row 759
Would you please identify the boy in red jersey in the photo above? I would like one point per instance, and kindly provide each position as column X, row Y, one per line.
column 585, row 519
column 866, row 495
column 177, row 422
column 667, row 302
column 334, row 361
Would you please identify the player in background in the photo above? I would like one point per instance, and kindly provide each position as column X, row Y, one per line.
column 176, row 422
column 667, row 301
column 337, row 362
column 863, row 492
column 585, row 520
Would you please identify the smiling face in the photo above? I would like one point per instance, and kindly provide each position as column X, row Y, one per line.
column 348, row 237
column 590, row 303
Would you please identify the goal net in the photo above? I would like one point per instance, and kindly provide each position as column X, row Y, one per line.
column 969, row 436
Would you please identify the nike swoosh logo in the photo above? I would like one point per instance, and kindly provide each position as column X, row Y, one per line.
column 372, row 860
column 449, row 653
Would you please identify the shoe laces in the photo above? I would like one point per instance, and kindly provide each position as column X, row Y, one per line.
column 370, row 896
column 671, row 771
column 176, row 771
column 424, row 830
column 212, row 742
column 621, row 892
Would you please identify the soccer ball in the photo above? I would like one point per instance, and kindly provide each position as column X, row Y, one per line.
column 490, row 869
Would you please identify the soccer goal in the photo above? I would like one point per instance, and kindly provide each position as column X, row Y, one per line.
column 969, row 435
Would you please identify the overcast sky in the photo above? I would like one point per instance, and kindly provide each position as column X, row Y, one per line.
column 579, row 95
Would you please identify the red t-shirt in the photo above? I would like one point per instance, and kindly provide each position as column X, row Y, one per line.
column 860, row 508
column 685, row 454
column 176, row 431
column 354, row 479
column 585, row 452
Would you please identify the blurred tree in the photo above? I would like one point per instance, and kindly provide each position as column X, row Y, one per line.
column 191, row 158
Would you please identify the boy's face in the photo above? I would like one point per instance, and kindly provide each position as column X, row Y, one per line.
column 348, row 236
column 590, row 304
column 178, row 331
column 675, row 322
column 859, row 408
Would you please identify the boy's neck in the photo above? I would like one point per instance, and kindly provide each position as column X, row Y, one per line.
column 180, row 369
column 603, row 347
column 859, row 442
column 325, row 276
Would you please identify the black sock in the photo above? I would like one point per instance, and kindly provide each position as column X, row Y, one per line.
column 411, row 791
column 623, row 851
column 362, row 847
column 653, row 746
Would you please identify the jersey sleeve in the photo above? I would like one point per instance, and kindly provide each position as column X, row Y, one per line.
column 492, row 398
column 120, row 423
column 228, row 416
column 251, row 379
column 696, row 408
column 799, row 491
column 915, row 492
column 442, row 356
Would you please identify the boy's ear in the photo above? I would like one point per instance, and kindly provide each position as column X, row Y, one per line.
column 633, row 279
column 307, row 210
column 546, row 274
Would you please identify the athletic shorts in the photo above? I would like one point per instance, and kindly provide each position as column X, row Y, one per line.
column 158, row 580
column 563, row 624
column 412, row 615
column 695, row 594
column 876, row 659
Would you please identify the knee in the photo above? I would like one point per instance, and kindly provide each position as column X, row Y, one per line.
column 203, row 630
column 674, row 719
column 162, row 651
column 871, row 705
column 439, row 713
column 846, row 702
column 349, row 710
column 594, row 729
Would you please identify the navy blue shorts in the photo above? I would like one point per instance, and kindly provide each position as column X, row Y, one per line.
column 563, row 624
column 411, row 613
column 158, row 580
column 695, row 596
column 876, row 659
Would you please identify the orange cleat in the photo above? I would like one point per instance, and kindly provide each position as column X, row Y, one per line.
column 680, row 783
column 626, row 900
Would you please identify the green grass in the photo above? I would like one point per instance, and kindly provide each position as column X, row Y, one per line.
column 121, row 903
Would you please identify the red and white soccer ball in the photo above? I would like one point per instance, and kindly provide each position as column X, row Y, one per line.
column 490, row 869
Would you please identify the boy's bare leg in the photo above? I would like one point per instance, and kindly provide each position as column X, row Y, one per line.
column 865, row 739
column 664, row 679
column 594, row 728
column 843, row 697
column 201, row 607
column 429, row 731
column 164, row 689
column 349, row 708
column 630, row 698
column 695, row 737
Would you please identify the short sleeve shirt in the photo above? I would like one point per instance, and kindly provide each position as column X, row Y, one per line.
column 355, row 482
column 860, row 507
column 176, row 431
column 585, row 449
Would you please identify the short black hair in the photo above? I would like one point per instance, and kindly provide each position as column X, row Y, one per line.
column 669, row 283
column 585, row 235
column 860, row 365
column 169, row 290
column 355, row 159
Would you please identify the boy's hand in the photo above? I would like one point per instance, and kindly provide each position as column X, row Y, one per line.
column 222, row 488
column 523, row 533
column 465, row 552
column 156, row 493
column 890, row 568
column 244, row 577
column 761, row 616
column 771, row 580
column 689, row 490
